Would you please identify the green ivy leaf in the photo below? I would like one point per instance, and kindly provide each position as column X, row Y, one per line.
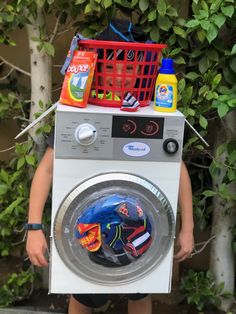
column 204, row 6
column 174, row 52
column 228, row 11
column 41, row 105
column 152, row 15
column 190, row 112
column 106, row 3
column 79, row 2
column 221, row 149
column 209, row 193
column 3, row 188
column 143, row 5
column 164, row 22
column 40, row 3
column 47, row 128
column 192, row 76
column 205, row 25
column 179, row 31
column 203, row 122
column 4, row 176
column 233, row 51
column 211, row 95
column 212, row 33
column 50, row 50
column 20, row 162
column 212, row 54
column 180, row 60
column 5, row 252
column 133, row 3
column 183, row 43
column 95, row 6
column 216, row 80
column 172, row 40
column 187, row 95
column 203, row 14
column 215, row 6
column 203, row 90
column 30, row 159
column 88, row 9
column 203, row 64
column 161, row 7
column 181, row 22
column 219, row 20
column 154, row 34
column 11, row 207
column 201, row 35
column 196, row 53
column 192, row 23
column 232, row 157
column 222, row 110
column 232, row 103
column 171, row 11
column 181, row 85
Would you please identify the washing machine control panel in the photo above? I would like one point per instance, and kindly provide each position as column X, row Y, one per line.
column 86, row 135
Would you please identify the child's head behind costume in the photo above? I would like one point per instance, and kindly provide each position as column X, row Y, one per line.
column 121, row 30
column 125, row 64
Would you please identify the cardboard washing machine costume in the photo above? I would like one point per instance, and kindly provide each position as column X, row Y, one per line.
column 115, row 190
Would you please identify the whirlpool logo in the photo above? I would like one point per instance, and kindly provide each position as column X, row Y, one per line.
column 136, row 149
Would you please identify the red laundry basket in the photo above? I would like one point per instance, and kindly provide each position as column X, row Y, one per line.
column 123, row 67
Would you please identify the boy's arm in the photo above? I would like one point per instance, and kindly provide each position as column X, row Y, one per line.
column 36, row 244
column 185, row 241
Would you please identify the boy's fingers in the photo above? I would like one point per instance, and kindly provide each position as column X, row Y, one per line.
column 42, row 261
column 39, row 260
column 181, row 255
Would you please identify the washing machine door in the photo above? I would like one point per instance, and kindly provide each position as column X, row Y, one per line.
column 114, row 228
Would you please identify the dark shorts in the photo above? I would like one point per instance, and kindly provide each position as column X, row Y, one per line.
column 97, row 300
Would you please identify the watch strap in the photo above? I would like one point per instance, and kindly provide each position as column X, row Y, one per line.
column 30, row 226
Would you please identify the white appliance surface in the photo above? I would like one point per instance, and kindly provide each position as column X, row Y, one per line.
column 114, row 141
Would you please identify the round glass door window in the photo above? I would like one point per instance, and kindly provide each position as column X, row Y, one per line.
column 114, row 228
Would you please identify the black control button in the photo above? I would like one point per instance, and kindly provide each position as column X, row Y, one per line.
column 170, row 146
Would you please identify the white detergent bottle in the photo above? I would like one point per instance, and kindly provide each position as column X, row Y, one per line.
column 166, row 88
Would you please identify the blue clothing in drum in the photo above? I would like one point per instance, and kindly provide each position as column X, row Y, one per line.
column 115, row 230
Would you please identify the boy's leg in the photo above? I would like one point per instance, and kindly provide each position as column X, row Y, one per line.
column 75, row 307
column 140, row 306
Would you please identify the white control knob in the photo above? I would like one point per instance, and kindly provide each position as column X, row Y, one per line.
column 85, row 134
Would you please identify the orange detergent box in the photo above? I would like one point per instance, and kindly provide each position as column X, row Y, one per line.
column 78, row 79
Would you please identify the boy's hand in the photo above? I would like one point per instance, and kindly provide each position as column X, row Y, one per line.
column 185, row 245
column 36, row 247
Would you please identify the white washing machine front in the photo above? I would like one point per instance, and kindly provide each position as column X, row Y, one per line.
column 131, row 162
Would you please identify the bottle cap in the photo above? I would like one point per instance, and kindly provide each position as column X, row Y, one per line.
column 167, row 66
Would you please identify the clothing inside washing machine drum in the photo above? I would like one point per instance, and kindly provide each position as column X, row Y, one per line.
column 115, row 230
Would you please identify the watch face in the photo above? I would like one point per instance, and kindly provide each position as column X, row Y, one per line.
column 114, row 228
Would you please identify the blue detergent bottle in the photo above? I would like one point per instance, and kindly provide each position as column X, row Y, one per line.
column 166, row 88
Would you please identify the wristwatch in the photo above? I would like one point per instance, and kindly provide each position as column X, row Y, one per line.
column 33, row 226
